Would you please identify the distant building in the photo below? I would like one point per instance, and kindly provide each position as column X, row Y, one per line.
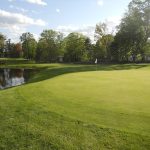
column 147, row 58
column 60, row 59
column 130, row 59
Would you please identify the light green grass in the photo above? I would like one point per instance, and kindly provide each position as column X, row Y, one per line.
column 8, row 61
column 76, row 107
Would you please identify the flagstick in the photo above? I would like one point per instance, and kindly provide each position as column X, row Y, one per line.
column 96, row 63
column 96, row 66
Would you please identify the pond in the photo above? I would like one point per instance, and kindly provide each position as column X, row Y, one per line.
column 14, row 77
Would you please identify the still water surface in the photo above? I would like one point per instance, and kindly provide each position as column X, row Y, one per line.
column 14, row 77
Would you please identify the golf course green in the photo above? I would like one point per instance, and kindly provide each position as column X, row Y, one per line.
column 78, row 107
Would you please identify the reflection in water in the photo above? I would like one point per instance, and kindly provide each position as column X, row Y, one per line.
column 13, row 77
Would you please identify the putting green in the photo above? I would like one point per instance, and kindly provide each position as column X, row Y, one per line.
column 115, row 99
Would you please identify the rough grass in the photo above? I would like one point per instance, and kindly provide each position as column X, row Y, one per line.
column 76, row 107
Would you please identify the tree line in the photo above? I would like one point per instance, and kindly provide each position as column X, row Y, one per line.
column 131, row 43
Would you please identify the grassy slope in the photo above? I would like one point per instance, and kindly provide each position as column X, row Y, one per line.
column 61, row 109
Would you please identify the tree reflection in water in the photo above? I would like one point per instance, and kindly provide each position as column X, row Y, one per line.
column 13, row 77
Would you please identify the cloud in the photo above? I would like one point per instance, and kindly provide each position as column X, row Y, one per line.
column 36, row 36
column 8, row 18
column 100, row 2
column 87, row 30
column 112, row 22
column 38, row 2
column 15, row 23
column 13, row 32
column 58, row 10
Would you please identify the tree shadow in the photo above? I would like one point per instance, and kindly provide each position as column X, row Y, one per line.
column 51, row 72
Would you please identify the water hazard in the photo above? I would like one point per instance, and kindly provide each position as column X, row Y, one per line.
column 14, row 77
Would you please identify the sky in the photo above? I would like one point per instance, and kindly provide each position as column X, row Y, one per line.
column 19, row 16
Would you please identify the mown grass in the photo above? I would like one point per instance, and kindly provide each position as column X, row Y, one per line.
column 9, row 61
column 76, row 107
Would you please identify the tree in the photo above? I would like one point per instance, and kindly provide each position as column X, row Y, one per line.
column 143, row 9
column 16, row 50
column 146, row 50
column 89, row 53
column 75, row 47
column 134, row 30
column 2, row 43
column 49, row 46
column 103, row 43
column 100, row 30
column 103, row 47
column 29, row 45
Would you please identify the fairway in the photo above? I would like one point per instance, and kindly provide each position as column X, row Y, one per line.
column 77, row 107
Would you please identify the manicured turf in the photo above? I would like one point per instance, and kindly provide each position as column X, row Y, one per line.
column 76, row 107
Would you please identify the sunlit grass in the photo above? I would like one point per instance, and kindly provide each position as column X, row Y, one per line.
column 77, row 107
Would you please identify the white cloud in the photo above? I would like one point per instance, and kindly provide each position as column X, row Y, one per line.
column 115, row 19
column 58, row 10
column 17, row 18
column 87, row 30
column 112, row 22
column 38, row 2
column 39, row 22
column 36, row 36
column 13, row 32
column 100, row 2
column 15, row 23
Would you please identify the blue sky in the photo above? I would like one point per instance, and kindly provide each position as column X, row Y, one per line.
column 18, row 16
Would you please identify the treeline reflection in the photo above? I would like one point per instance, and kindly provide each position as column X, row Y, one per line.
column 14, row 77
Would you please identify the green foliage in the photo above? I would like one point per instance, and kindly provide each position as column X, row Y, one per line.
column 100, row 30
column 15, row 50
column 75, row 48
column 49, row 46
column 103, row 48
column 134, row 31
column 29, row 45
column 2, row 42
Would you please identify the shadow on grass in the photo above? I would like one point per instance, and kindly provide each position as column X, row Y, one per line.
column 51, row 72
